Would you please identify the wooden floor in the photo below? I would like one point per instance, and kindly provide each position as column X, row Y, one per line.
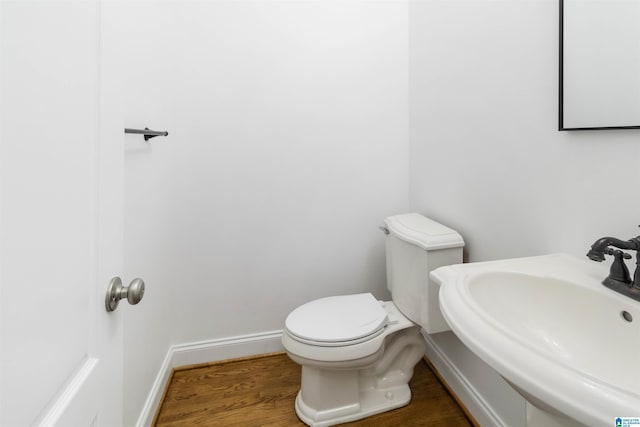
column 261, row 392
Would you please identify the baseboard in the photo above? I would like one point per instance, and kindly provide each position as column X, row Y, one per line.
column 452, row 392
column 472, row 399
column 204, row 352
column 157, row 393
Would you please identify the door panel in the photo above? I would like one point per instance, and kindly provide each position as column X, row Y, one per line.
column 57, row 341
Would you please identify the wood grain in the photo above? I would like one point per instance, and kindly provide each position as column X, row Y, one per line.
column 261, row 392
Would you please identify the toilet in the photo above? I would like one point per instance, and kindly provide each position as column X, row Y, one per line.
column 357, row 353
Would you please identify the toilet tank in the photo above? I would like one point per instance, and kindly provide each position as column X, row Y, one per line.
column 414, row 246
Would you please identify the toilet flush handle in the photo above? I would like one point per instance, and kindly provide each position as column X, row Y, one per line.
column 115, row 292
column 384, row 229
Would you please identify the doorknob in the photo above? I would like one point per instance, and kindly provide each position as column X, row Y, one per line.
column 115, row 292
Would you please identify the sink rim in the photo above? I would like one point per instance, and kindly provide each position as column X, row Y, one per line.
column 571, row 391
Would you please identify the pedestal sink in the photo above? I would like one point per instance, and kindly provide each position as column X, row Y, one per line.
column 565, row 342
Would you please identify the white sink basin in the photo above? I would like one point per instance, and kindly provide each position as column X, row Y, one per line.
column 549, row 327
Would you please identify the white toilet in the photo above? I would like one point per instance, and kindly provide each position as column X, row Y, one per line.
column 357, row 354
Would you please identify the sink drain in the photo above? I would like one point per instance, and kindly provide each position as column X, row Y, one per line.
column 626, row 316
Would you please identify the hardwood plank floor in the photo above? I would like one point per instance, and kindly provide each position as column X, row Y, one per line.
column 261, row 392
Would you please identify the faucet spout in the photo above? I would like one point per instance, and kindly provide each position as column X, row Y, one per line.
column 597, row 251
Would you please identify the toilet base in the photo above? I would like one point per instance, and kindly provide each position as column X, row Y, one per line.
column 371, row 402
column 351, row 390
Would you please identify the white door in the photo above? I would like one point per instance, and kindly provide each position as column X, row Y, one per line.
column 60, row 216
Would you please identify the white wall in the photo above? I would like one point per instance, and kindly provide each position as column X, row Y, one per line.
column 288, row 145
column 486, row 158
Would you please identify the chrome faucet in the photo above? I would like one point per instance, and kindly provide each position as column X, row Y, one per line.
column 619, row 278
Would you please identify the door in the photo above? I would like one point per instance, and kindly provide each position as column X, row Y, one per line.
column 61, row 178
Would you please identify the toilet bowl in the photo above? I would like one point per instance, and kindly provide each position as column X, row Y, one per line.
column 357, row 353
column 357, row 356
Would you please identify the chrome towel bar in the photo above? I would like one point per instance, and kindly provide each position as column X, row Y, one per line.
column 148, row 134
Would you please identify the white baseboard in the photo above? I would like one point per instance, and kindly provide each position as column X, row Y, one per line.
column 481, row 410
column 203, row 352
column 226, row 348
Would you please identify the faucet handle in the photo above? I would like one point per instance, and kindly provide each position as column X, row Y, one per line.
column 615, row 252
column 618, row 271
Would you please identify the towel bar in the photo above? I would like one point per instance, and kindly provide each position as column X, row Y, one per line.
column 148, row 134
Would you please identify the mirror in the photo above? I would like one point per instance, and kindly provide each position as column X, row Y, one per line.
column 599, row 64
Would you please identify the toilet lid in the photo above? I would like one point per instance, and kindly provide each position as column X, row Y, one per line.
column 337, row 319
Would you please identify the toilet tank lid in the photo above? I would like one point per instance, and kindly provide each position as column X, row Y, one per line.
column 423, row 232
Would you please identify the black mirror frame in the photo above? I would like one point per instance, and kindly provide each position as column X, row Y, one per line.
column 561, row 85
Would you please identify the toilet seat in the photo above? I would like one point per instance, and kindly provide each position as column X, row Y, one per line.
column 346, row 352
column 337, row 321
